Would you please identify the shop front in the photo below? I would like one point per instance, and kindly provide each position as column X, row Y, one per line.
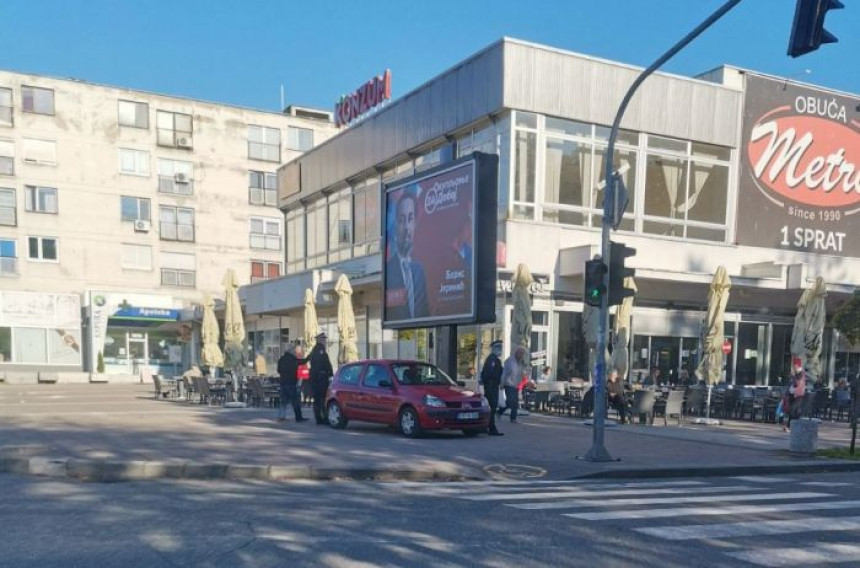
column 138, row 334
column 40, row 332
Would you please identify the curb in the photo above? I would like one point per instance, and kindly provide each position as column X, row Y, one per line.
column 840, row 466
column 102, row 471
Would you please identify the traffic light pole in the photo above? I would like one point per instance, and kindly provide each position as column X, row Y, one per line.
column 598, row 452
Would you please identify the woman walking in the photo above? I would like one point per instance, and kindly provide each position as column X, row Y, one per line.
column 793, row 401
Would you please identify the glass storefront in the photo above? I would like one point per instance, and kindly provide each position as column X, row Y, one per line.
column 130, row 349
column 571, row 354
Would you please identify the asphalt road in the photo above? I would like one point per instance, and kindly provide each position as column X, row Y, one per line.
column 788, row 520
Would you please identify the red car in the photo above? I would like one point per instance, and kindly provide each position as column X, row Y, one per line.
column 409, row 395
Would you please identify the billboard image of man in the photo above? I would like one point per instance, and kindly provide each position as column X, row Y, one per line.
column 406, row 281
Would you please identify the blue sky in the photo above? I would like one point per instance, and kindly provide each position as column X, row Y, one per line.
column 241, row 52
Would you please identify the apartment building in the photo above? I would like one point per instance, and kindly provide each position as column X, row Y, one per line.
column 121, row 209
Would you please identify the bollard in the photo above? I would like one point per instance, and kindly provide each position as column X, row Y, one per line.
column 804, row 435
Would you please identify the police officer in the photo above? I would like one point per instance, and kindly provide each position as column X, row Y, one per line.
column 491, row 378
column 321, row 372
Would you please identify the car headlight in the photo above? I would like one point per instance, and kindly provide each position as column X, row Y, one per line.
column 434, row 401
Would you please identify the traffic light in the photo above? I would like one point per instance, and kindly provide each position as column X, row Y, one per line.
column 618, row 272
column 807, row 32
column 595, row 289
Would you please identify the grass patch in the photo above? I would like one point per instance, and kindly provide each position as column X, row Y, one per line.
column 840, row 453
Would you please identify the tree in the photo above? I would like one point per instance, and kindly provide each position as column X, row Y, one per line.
column 100, row 366
column 846, row 320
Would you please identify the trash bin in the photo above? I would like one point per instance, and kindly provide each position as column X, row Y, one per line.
column 804, row 436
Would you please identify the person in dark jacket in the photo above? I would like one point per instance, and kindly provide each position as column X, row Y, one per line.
column 321, row 372
column 288, row 366
column 491, row 378
column 615, row 391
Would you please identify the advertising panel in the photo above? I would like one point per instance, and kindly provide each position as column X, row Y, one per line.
column 799, row 183
column 440, row 239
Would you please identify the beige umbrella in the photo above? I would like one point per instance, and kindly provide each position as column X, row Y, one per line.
column 798, row 332
column 621, row 336
column 814, row 316
column 521, row 324
column 591, row 330
column 234, row 324
column 711, row 365
column 210, row 355
column 312, row 327
column 346, row 322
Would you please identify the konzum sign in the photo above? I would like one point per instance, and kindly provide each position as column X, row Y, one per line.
column 366, row 97
column 800, row 169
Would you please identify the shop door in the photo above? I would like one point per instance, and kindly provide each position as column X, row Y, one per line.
column 138, row 351
column 751, row 345
column 666, row 356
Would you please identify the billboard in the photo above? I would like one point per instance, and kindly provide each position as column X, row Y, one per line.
column 440, row 245
column 799, row 185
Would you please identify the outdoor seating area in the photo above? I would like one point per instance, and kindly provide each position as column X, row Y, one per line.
column 257, row 391
column 645, row 404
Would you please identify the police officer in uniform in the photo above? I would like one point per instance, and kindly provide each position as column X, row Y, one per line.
column 321, row 372
column 491, row 378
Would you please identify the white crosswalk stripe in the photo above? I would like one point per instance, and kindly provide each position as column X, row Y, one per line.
column 819, row 553
column 740, row 501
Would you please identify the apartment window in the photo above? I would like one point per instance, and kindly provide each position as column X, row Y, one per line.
column 295, row 240
column 5, row 107
column 133, row 114
column 265, row 233
column 8, row 209
column 264, row 143
column 8, row 257
column 40, row 199
column 178, row 269
column 136, row 257
column 174, row 129
column 134, row 208
column 42, row 249
column 263, row 270
column 263, row 189
column 7, row 158
column 686, row 189
column 39, row 101
column 175, row 177
column 176, row 223
column 40, row 152
column 301, row 139
column 134, row 162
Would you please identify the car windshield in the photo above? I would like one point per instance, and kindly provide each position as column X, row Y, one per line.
column 421, row 374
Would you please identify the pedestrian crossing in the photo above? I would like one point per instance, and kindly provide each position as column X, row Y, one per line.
column 742, row 517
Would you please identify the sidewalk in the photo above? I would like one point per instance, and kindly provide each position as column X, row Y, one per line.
column 119, row 431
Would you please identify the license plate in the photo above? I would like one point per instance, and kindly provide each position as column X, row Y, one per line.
column 467, row 416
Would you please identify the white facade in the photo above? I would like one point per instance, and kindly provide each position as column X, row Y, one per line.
column 126, row 192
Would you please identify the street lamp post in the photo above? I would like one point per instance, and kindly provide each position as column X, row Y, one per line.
column 598, row 452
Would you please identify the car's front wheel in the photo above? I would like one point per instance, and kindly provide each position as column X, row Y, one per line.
column 336, row 419
column 408, row 422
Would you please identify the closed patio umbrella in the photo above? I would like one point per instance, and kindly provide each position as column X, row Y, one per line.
column 814, row 317
column 711, row 365
column 798, row 332
column 621, row 335
column 312, row 327
column 521, row 324
column 210, row 355
column 347, row 332
column 234, row 328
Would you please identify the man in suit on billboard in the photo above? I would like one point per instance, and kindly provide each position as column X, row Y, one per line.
column 406, row 281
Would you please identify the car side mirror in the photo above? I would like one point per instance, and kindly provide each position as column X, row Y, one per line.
column 385, row 383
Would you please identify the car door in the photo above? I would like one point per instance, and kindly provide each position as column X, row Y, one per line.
column 380, row 401
column 348, row 390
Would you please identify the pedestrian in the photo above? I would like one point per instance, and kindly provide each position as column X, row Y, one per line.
column 793, row 401
column 321, row 372
column 545, row 376
column 288, row 366
column 512, row 376
column 491, row 379
column 615, row 391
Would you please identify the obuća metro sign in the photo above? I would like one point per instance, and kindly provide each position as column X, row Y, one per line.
column 368, row 96
column 800, row 169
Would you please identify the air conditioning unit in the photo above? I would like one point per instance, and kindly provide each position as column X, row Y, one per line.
column 181, row 178
column 184, row 142
column 142, row 226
